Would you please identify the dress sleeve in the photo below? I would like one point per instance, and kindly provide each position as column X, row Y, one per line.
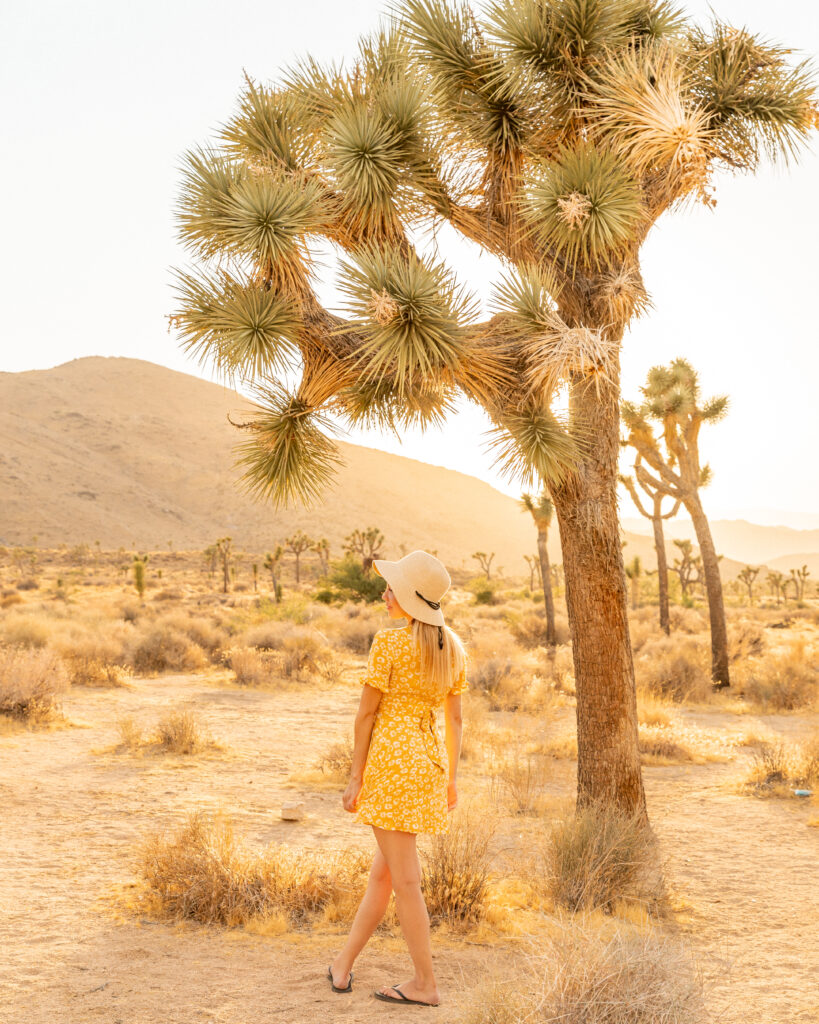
column 379, row 663
column 460, row 685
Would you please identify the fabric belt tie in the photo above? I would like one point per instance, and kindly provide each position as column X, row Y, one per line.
column 429, row 732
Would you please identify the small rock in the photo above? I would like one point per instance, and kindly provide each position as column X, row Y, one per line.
column 293, row 812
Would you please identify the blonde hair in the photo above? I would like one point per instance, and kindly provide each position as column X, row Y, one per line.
column 441, row 665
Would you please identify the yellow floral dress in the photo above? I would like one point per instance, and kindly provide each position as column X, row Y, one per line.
column 404, row 787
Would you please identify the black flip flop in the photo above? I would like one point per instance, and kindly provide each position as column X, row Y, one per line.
column 335, row 987
column 404, row 1000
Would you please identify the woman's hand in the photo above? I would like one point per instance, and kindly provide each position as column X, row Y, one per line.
column 451, row 795
column 349, row 798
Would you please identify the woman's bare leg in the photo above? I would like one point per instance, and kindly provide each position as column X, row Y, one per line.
column 401, row 856
column 370, row 912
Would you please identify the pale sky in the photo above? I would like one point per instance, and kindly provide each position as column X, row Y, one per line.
column 102, row 98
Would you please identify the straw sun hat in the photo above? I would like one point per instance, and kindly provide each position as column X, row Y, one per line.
column 419, row 581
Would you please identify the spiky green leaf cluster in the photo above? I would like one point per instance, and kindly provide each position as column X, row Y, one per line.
column 526, row 296
column 241, row 328
column 608, row 206
column 532, row 446
column 287, row 457
column 411, row 314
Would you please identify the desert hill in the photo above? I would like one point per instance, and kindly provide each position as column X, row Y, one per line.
column 130, row 453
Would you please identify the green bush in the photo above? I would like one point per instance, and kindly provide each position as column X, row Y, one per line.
column 483, row 589
column 347, row 581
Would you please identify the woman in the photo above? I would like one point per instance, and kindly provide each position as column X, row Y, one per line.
column 403, row 780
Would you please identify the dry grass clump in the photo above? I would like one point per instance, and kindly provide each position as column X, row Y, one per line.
column 31, row 682
column 130, row 734
column 597, row 858
column 778, row 768
column 659, row 745
column 529, row 628
column 674, row 668
column 179, row 732
column 455, row 870
column 10, row 598
column 787, row 681
column 165, row 649
column 687, row 620
column 202, row 631
column 25, row 629
column 251, row 667
column 582, row 975
column 521, row 779
column 205, row 873
column 337, row 760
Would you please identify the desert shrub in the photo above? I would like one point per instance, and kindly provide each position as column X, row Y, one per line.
column 179, row 732
column 579, row 974
column 130, row 734
column 686, row 620
column 529, row 630
column 28, row 584
column 164, row 649
column 337, row 760
column 267, row 636
column 252, row 667
column 356, row 634
column 676, row 668
column 483, row 590
column 169, row 594
column 781, row 682
column 131, row 612
column 745, row 640
column 522, row 777
column 777, row 768
column 31, row 682
column 93, row 660
column 300, row 653
column 10, row 599
column 203, row 632
column 25, row 630
column 204, row 873
column 347, row 581
column 659, row 745
column 597, row 858
column 455, row 871
column 328, row 666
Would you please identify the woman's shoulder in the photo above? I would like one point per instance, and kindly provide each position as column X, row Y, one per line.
column 392, row 635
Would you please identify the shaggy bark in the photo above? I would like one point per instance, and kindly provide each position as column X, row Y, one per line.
column 608, row 765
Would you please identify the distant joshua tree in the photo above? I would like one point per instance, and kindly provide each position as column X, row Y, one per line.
column 634, row 570
column 541, row 510
column 484, row 560
column 224, row 554
column 533, row 563
column 776, row 581
column 139, row 563
column 656, row 515
column 799, row 577
column 672, row 399
column 271, row 563
column 748, row 576
column 322, row 549
column 297, row 543
column 688, row 567
column 366, row 544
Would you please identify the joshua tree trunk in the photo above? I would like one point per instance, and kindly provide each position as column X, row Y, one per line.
column 546, row 579
column 662, row 569
column 713, row 587
column 608, row 764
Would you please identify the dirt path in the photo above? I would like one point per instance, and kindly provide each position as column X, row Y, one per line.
column 72, row 815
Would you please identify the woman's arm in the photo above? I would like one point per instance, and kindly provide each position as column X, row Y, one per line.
column 454, row 730
column 363, row 730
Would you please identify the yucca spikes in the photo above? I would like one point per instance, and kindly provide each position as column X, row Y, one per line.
column 585, row 206
column 267, row 128
column 287, row 458
column 243, row 329
column 526, row 296
column 411, row 315
column 531, row 446
column 377, row 404
column 240, row 211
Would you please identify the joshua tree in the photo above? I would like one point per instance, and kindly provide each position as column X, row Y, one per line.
column 748, row 576
column 776, row 581
column 541, row 510
column 672, row 399
column 688, row 567
column 366, row 544
column 634, row 570
column 553, row 134
column 532, row 562
column 484, row 560
column 210, row 557
column 799, row 577
column 298, row 543
column 271, row 563
column 322, row 549
column 224, row 554
column 656, row 515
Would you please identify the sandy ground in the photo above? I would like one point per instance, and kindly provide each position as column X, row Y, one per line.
column 73, row 813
